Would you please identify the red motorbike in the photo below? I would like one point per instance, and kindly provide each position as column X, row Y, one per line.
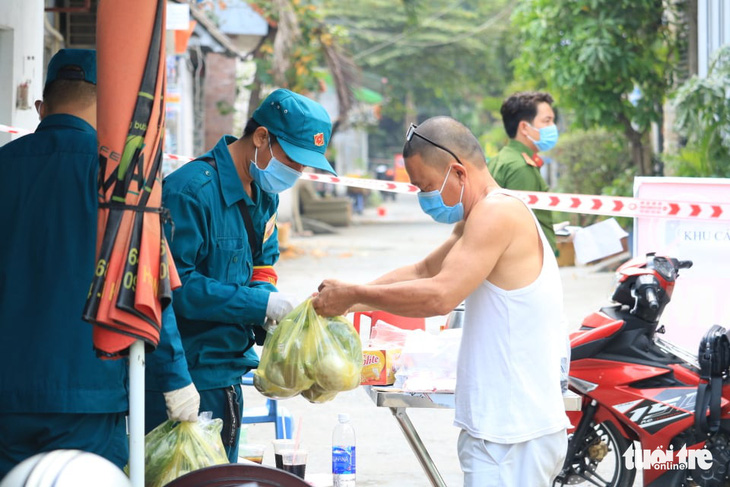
column 647, row 405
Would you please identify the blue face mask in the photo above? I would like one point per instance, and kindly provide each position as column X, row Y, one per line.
column 548, row 138
column 433, row 205
column 277, row 176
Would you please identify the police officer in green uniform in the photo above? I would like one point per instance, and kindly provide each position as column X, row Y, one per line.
column 529, row 121
column 54, row 392
column 224, row 243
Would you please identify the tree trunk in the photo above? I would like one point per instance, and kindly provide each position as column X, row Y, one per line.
column 288, row 34
column 640, row 147
column 255, row 99
column 411, row 111
column 344, row 73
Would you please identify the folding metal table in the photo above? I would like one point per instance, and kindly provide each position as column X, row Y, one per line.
column 399, row 401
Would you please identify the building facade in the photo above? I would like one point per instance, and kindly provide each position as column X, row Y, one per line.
column 21, row 63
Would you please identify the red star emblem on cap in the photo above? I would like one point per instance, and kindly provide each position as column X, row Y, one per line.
column 319, row 139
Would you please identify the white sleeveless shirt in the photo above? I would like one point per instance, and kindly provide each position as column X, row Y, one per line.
column 508, row 372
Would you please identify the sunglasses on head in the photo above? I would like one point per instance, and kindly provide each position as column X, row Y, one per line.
column 412, row 131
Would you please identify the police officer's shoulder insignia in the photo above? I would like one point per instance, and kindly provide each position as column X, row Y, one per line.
column 534, row 161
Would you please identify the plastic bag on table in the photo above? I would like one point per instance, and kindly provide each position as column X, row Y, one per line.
column 174, row 449
column 386, row 335
column 307, row 353
column 428, row 362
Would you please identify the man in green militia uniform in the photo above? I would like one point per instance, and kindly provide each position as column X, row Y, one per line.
column 529, row 121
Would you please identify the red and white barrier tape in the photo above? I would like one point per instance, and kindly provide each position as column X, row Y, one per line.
column 14, row 130
column 623, row 206
column 378, row 184
column 572, row 203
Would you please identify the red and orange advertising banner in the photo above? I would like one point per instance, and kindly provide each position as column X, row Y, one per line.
column 135, row 274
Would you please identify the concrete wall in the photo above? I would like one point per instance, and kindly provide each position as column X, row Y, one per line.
column 21, row 61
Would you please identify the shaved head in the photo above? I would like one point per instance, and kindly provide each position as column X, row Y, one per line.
column 449, row 133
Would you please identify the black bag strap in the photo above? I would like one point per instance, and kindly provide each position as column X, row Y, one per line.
column 709, row 396
column 701, row 404
column 245, row 214
column 248, row 222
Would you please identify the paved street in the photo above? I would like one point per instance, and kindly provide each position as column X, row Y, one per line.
column 371, row 246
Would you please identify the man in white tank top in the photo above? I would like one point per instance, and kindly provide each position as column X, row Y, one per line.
column 509, row 402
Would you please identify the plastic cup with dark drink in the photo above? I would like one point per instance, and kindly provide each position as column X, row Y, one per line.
column 294, row 461
column 279, row 446
column 251, row 452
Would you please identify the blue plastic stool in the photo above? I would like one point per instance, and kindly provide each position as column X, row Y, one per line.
column 268, row 414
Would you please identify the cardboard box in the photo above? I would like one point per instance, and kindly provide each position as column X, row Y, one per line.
column 566, row 252
column 378, row 366
column 564, row 233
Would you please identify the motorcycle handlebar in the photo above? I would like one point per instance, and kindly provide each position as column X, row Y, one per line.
column 684, row 264
column 650, row 296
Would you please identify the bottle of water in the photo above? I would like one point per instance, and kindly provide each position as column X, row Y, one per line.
column 343, row 453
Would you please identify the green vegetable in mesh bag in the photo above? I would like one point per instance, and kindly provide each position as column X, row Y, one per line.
column 291, row 363
column 268, row 389
column 283, row 357
column 311, row 355
column 316, row 394
column 173, row 449
column 339, row 363
column 347, row 338
column 334, row 374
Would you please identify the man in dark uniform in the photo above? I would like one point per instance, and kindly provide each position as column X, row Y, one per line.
column 225, row 245
column 529, row 121
column 54, row 392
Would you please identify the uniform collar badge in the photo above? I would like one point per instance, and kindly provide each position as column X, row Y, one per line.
column 534, row 161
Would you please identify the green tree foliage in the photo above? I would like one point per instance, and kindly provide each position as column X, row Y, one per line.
column 297, row 49
column 595, row 53
column 594, row 161
column 703, row 116
column 428, row 57
column 303, row 46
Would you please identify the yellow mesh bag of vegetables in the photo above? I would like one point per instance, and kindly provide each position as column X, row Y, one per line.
column 308, row 354
column 173, row 449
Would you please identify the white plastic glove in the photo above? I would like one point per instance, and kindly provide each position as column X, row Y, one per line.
column 280, row 305
column 183, row 404
column 270, row 325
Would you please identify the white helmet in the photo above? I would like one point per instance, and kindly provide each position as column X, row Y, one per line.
column 65, row 468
